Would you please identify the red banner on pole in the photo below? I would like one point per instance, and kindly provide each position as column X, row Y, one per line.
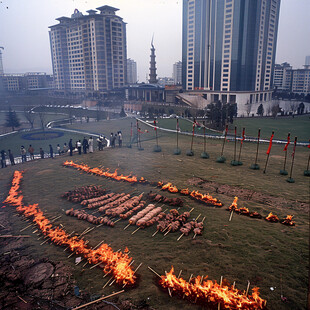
column 287, row 143
column 243, row 135
column 270, row 144
column 295, row 142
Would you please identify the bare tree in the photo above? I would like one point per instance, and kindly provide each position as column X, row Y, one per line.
column 42, row 118
column 29, row 115
column 248, row 108
column 275, row 109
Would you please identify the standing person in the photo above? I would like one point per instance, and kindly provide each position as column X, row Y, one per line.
column 85, row 145
column 111, row 139
column 51, row 151
column 65, row 148
column 70, row 147
column 31, row 152
column 11, row 156
column 23, row 154
column 91, row 145
column 3, row 161
column 41, row 153
column 120, row 139
column 58, row 149
column 79, row 146
column 100, row 143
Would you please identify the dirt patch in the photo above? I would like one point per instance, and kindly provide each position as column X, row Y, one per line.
column 246, row 194
column 44, row 171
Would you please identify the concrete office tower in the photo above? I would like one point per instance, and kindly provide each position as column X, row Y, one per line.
column 89, row 51
column 307, row 61
column 282, row 76
column 229, row 46
column 177, row 73
column 153, row 75
column 131, row 71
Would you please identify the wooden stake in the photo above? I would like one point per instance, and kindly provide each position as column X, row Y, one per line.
column 180, row 237
column 247, row 289
column 158, row 275
column 235, row 149
column 241, row 143
column 135, row 230
column 226, row 129
column 293, row 157
column 92, row 267
column 97, row 300
column 231, row 214
column 179, row 273
column 219, row 304
column 268, row 152
column 168, row 287
column 11, row 236
column 258, row 136
column 23, row 300
column 107, row 282
column 26, row 227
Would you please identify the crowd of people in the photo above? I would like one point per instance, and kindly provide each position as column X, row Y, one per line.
column 85, row 146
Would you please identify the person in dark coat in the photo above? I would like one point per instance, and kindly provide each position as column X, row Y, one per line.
column 11, row 156
column 3, row 161
column 70, row 147
column 41, row 153
column 85, row 145
column 51, row 151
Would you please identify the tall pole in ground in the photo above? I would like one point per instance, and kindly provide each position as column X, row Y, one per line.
column 290, row 179
column 284, row 172
column 177, row 151
column 137, row 134
column 241, row 143
column 268, row 151
column 255, row 166
column 222, row 159
column 234, row 162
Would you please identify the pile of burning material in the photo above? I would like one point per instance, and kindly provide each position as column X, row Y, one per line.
column 205, row 198
column 83, row 215
column 243, row 210
column 272, row 218
column 205, row 292
column 288, row 221
column 147, row 217
column 83, row 193
column 118, row 264
column 176, row 202
column 105, row 173
column 15, row 197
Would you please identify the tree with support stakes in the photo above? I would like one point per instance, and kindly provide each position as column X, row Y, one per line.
column 222, row 159
column 204, row 154
column 283, row 171
column 12, row 119
column 177, row 151
column 156, row 148
column 255, row 166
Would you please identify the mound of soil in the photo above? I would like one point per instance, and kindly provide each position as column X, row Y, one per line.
column 247, row 194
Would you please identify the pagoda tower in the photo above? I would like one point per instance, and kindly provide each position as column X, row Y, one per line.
column 153, row 74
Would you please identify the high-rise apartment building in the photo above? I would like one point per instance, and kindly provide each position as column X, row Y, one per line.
column 282, row 76
column 229, row 46
column 89, row 51
column 131, row 71
column 177, row 72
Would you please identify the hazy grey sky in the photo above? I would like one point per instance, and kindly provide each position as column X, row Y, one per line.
column 24, row 31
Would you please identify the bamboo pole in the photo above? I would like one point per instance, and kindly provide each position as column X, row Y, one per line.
column 135, row 231
column 231, row 214
column 247, row 289
column 241, row 143
column 293, row 157
column 169, row 291
column 235, row 149
column 258, row 137
column 97, row 300
column 126, row 226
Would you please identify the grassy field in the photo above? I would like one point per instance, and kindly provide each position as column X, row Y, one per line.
column 268, row 255
column 298, row 126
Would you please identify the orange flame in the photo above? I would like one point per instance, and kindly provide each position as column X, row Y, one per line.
column 116, row 263
column 206, row 198
column 106, row 173
column 272, row 218
column 233, row 206
column 207, row 292
column 184, row 191
column 288, row 221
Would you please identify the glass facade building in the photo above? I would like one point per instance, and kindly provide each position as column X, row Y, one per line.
column 229, row 45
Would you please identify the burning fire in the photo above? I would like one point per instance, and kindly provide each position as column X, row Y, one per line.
column 288, row 221
column 184, row 191
column 233, row 206
column 207, row 292
column 170, row 188
column 116, row 263
column 106, row 173
column 206, row 198
column 272, row 218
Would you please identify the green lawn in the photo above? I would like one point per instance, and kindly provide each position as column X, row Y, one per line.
column 268, row 255
column 298, row 126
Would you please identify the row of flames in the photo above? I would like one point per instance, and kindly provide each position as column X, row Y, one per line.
column 105, row 173
column 115, row 263
column 270, row 218
column 206, row 198
column 203, row 291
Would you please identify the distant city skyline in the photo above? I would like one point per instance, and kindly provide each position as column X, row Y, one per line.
column 26, row 42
